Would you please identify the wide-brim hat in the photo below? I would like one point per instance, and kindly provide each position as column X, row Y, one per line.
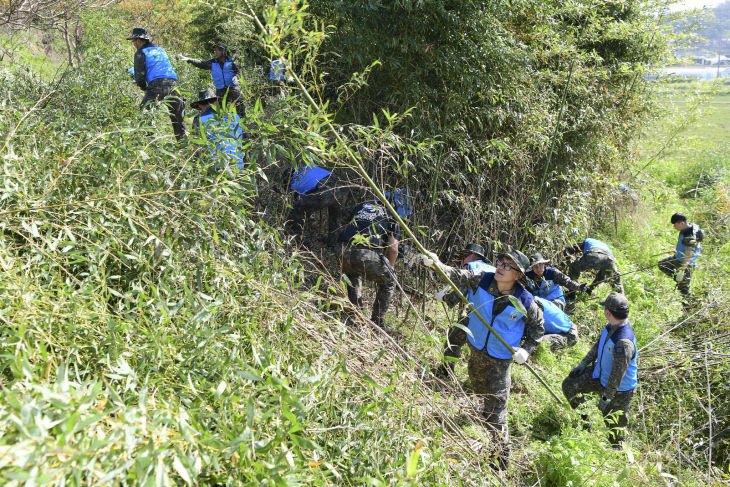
column 139, row 33
column 616, row 303
column 523, row 263
column 206, row 96
column 537, row 258
column 474, row 248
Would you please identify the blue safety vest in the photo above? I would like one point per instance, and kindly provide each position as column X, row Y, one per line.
column 679, row 254
column 277, row 70
column 478, row 265
column 156, row 63
column 604, row 362
column 226, row 131
column 592, row 243
column 509, row 324
column 306, row 178
column 223, row 77
column 556, row 321
column 548, row 289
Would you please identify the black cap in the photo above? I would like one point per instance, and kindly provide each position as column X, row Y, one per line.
column 139, row 33
column 475, row 249
column 616, row 303
column 537, row 258
column 523, row 263
column 204, row 96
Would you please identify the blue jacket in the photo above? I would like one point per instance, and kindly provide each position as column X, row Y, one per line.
column 224, row 134
column 604, row 362
column 509, row 324
column 306, row 178
column 556, row 321
column 592, row 243
column 157, row 63
column 223, row 77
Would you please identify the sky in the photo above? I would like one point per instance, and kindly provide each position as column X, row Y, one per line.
column 688, row 4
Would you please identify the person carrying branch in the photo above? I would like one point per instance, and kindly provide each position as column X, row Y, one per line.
column 368, row 250
column 680, row 266
column 502, row 301
column 154, row 75
column 224, row 71
column 608, row 369
column 473, row 260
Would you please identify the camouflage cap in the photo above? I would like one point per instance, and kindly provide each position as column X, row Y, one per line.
column 616, row 302
column 474, row 248
column 537, row 258
column 523, row 263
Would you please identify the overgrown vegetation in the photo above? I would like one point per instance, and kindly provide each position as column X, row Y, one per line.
column 158, row 328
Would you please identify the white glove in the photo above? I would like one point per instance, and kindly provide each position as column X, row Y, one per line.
column 428, row 259
column 182, row 58
column 440, row 295
column 679, row 276
column 520, row 356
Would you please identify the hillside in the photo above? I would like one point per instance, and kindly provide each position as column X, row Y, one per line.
column 160, row 326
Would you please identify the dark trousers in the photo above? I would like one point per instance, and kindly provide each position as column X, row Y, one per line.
column 362, row 263
column 455, row 339
column 616, row 414
column 231, row 94
column 670, row 266
column 164, row 90
column 491, row 379
column 331, row 193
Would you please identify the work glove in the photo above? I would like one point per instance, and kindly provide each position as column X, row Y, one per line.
column 679, row 276
column 603, row 404
column 520, row 356
column 577, row 370
column 427, row 259
column 183, row 58
column 585, row 288
column 441, row 294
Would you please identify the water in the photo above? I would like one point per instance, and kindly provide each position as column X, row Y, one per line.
column 699, row 72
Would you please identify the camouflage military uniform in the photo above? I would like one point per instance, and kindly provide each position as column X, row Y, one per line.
column 602, row 262
column 575, row 388
column 491, row 377
column 534, row 282
column 331, row 193
column 556, row 341
column 671, row 265
column 361, row 256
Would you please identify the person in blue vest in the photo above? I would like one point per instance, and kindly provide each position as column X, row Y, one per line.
column 681, row 264
column 154, row 75
column 224, row 71
column 456, row 338
column 609, row 369
column 594, row 255
column 315, row 189
column 223, row 130
column 368, row 250
column 560, row 331
column 548, row 282
column 277, row 76
column 515, row 315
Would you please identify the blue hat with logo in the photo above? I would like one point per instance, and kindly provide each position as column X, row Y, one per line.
column 402, row 200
